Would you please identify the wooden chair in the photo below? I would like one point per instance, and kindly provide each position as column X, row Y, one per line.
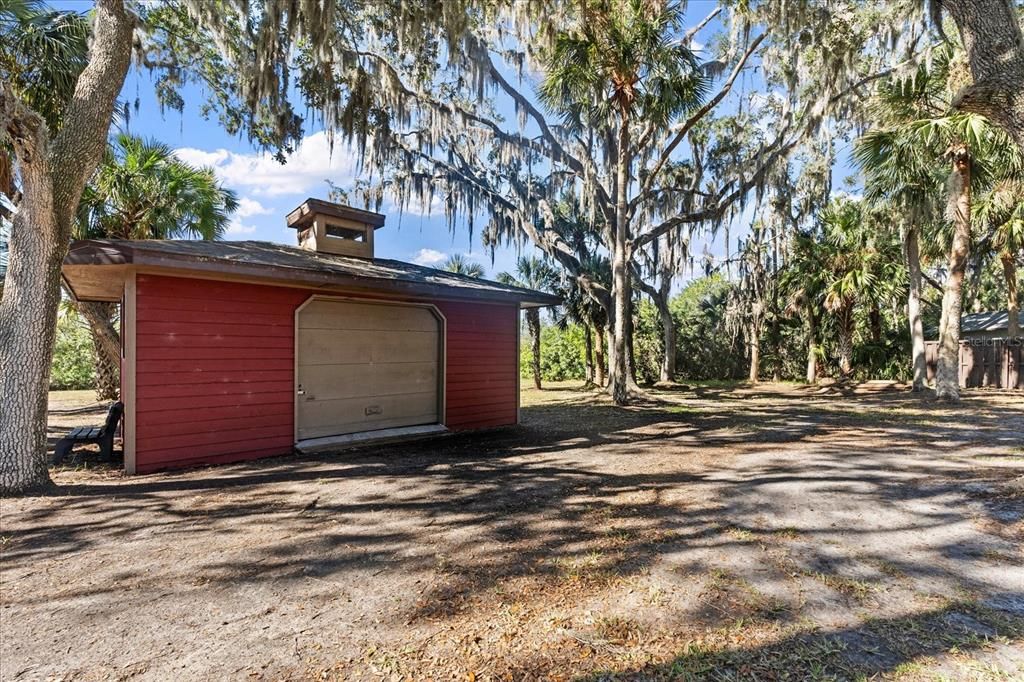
column 104, row 435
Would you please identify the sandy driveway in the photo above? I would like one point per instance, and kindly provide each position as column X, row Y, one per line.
column 725, row 533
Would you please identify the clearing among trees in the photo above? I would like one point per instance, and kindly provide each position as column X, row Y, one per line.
column 725, row 532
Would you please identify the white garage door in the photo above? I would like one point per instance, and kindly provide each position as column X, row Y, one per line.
column 366, row 366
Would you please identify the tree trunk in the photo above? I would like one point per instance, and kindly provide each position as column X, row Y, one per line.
column 912, row 253
column 812, row 346
column 630, row 334
column 991, row 34
column 533, row 325
column 755, row 354
column 28, row 327
column 668, row 335
column 845, row 322
column 599, row 360
column 621, row 380
column 1012, row 307
column 107, row 347
column 875, row 321
column 53, row 175
column 947, row 373
column 588, row 348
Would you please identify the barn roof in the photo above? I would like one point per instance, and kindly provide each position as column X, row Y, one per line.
column 280, row 263
column 987, row 322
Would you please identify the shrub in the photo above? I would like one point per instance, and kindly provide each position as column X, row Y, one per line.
column 562, row 354
column 73, row 366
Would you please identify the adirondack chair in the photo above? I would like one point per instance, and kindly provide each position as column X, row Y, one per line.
column 104, row 435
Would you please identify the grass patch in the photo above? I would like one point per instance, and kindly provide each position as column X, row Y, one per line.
column 880, row 648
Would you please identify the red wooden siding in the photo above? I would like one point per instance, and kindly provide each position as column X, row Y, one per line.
column 215, row 369
column 481, row 377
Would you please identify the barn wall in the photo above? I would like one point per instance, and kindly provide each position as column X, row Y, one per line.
column 215, row 370
column 482, row 369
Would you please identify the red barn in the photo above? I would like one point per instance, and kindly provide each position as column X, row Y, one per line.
column 239, row 350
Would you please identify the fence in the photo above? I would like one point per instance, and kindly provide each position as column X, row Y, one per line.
column 984, row 363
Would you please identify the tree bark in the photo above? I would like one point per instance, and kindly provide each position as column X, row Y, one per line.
column 947, row 373
column 620, row 380
column 755, row 354
column 53, row 173
column 991, row 34
column 588, row 359
column 912, row 253
column 668, row 336
column 875, row 322
column 812, row 346
column 533, row 325
column 1012, row 306
column 599, row 357
column 107, row 347
column 845, row 322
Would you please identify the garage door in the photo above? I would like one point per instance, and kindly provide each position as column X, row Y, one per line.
column 365, row 366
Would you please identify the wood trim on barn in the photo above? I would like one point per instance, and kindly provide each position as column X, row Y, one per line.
column 129, row 315
column 519, row 373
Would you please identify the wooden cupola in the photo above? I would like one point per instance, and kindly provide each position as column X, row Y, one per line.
column 341, row 230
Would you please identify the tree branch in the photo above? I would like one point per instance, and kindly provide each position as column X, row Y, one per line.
column 774, row 151
column 588, row 168
column 78, row 147
column 698, row 116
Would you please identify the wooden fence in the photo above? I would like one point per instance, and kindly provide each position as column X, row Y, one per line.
column 984, row 363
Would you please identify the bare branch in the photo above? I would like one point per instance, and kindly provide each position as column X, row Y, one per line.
column 698, row 116
column 774, row 152
column 584, row 167
column 696, row 29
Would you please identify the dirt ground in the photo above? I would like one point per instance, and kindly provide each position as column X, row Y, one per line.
column 722, row 533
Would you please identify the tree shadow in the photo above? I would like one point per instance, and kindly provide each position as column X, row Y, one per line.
column 878, row 646
column 582, row 499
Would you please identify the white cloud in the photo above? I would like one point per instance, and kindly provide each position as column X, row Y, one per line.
column 237, row 229
column 307, row 168
column 429, row 257
column 843, row 194
column 249, row 207
column 416, row 207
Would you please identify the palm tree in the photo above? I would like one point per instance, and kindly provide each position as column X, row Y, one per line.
column 42, row 52
column 848, row 271
column 5, row 236
column 804, row 281
column 903, row 161
column 461, row 265
column 141, row 191
column 532, row 273
column 1001, row 210
column 622, row 67
column 580, row 308
column 746, row 309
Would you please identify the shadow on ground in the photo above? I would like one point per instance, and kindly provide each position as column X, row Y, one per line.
column 706, row 525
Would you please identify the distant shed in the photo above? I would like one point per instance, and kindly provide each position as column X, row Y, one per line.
column 238, row 350
column 987, row 325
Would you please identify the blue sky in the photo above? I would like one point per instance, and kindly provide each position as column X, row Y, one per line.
column 268, row 190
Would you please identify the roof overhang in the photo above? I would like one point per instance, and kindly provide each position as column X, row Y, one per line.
column 95, row 270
